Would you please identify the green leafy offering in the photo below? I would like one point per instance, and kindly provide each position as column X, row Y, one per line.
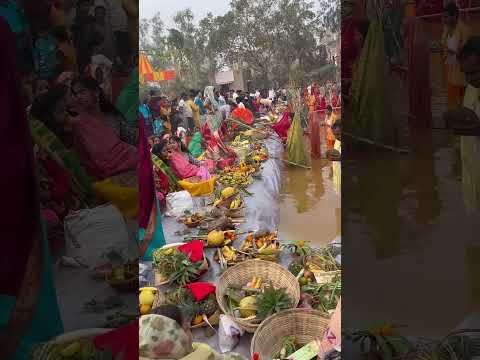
column 271, row 301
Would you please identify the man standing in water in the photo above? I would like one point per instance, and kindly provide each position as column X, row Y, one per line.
column 454, row 37
column 465, row 120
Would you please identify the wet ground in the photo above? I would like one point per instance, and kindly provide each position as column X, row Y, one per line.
column 309, row 205
column 411, row 250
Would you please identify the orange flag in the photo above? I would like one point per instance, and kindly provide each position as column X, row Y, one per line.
column 145, row 70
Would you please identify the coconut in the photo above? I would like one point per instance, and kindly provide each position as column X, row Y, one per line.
column 248, row 306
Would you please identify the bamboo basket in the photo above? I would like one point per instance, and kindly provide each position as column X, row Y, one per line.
column 161, row 279
column 305, row 324
column 214, row 319
column 240, row 274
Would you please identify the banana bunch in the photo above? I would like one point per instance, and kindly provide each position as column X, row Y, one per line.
column 235, row 204
column 271, row 249
column 229, row 254
column 268, row 252
column 236, row 178
column 255, row 283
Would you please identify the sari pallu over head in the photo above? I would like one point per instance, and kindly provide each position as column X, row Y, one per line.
column 214, row 120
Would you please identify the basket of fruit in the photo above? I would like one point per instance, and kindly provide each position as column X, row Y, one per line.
column 255, row 289
column 264, row 246
column 229, row 198
column 201, row 312
column 175, row 264
column 279, row 336
column 194, row 220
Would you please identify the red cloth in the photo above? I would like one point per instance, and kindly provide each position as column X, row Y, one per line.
column 200, row 290
column 122, row 339
column 244, row 115
column 194, row 250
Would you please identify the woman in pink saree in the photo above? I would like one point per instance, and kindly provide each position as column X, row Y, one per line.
column 100, row 149
column 180, row 164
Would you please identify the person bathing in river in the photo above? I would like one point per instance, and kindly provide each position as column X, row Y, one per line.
column 179, row 162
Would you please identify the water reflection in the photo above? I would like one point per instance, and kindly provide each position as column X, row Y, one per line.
column 309, row 206
column 405, row 222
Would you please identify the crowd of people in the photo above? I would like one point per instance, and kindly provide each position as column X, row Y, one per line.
column 185, row 139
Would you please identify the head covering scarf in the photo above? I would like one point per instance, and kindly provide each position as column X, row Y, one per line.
column 214, row 120
column 163, row 338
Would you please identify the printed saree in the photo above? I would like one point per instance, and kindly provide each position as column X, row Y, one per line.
column 48, row 142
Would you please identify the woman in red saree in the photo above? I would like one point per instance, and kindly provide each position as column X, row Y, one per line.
column 282, row 126
column 418, row 50
column 314, row 117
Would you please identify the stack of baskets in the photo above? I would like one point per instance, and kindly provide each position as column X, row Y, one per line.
column 239, row 275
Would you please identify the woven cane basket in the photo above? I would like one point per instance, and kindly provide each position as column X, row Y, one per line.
column 239, row 275
column 305, row 324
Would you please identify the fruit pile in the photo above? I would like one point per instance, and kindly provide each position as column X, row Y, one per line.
column 236, row 179
column 257, row 300
column 242, row 168
column 218, row 238
column 229, row 199
column 265, row 247
column 77, row 350
column 193, row 220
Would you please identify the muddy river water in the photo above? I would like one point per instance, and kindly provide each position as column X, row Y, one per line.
column 410, row 248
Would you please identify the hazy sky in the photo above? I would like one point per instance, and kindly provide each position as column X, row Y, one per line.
column 168, row 8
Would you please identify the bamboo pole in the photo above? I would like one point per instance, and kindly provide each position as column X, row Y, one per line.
column 371, row 142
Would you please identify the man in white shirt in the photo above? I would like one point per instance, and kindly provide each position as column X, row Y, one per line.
column 235, row 96
column 257, row 93
column 271, row 94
